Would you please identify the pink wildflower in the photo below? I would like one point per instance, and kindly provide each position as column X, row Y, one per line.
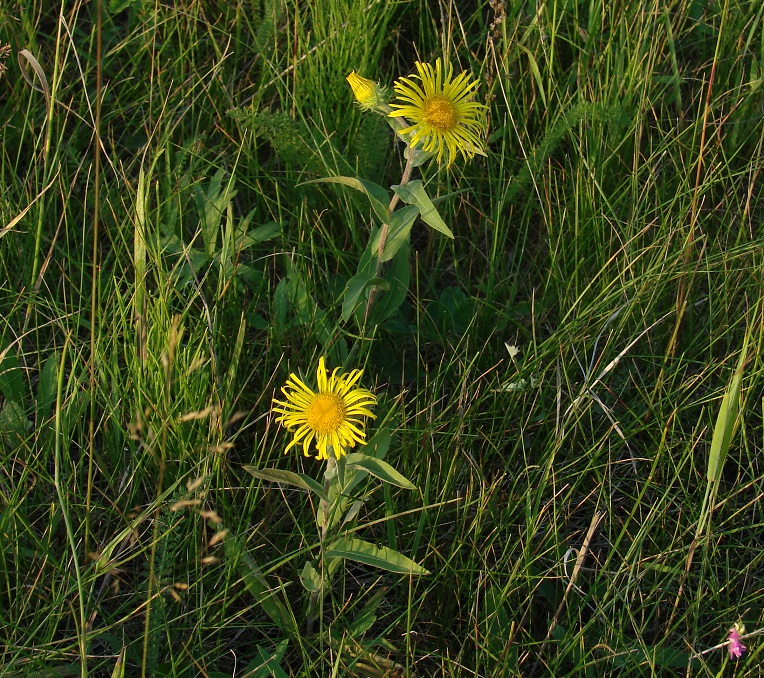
column 734, row 645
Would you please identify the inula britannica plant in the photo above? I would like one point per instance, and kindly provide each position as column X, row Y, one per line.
column 436, row 117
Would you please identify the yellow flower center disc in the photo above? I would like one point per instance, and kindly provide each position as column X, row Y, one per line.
column 326, row 413
column 440, row 113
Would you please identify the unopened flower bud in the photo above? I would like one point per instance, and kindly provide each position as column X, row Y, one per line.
column 368, row 93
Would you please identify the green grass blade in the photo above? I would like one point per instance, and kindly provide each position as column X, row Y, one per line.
column 726, row 421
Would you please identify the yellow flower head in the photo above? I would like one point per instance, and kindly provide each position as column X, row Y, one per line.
column 440, row 109
column 368, row 94
column 332, row 416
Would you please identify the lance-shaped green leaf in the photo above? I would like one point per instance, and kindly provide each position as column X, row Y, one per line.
column 378, row 196
column 310, row 579
column 382, row 557
column 379, row 443
column 355, row 287
column 397, row 279
column 365, row 619
column 376, row 447
column 536, row 73
column 726, row 421
column 401, row 222
column 413, row 193
column 417, row 155
column 266, row 663
column 379, row 469
column 260, row 234
column 300, row 480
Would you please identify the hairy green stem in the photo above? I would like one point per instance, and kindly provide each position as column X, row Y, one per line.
column 330, row 476
column 386, row 227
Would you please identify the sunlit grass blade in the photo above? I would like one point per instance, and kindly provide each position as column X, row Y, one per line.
column 726, row 420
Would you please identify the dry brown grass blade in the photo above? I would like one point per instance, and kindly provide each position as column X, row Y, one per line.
column 26, row 57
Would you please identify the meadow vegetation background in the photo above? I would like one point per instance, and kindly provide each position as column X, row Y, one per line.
column 156, row 294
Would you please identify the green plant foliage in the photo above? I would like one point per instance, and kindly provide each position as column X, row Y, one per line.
column 289, row 138
column 352, row 548
column 415, row 194
column 196, row 213
column 371, row 148
column 300, row 480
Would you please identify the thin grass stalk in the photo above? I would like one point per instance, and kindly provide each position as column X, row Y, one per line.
column 94, row 287
column 65, row 511
column 45, row 163
column 683, row 284
column 167, row 360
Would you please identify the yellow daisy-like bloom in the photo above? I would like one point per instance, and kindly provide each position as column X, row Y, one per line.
column 444, row 118
column 368, row 94
column 332, row 416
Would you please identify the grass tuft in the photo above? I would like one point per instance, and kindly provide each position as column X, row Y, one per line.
column 612, row 234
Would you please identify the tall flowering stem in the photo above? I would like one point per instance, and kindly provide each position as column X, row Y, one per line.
column 386, row 227
column 435, row 115
column 330, row 420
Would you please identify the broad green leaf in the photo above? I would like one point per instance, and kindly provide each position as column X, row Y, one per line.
column 397, row 281
column 281, row 305
column 292, row 293
column 376, row 447
column 267, row 663
column 366, row 272
column 353, row 291
column 378, row 444
column 417, row 155
column 310, row 579
column 497, row 618
column 379, row 469
column 274, row 475
column 46, row 389
column 401, row 222
column 365, row 619
column 266, row 231
column 726, row 421
column 117, row 6
column 382, row 557
column 212, row 206
column 13, row 420
column 413, row 193
column 246, row 237
column 350, row 516
column 355, row 288
column 11, row 375
column 378, row 196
